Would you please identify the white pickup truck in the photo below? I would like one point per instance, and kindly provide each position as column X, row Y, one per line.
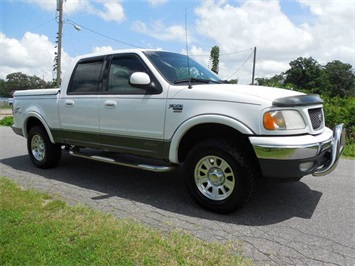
column 155, row 110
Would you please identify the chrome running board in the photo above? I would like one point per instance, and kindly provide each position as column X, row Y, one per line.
column 127, row 163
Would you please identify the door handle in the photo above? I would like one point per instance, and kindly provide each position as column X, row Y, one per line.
column 110, row 104
column 69, row 103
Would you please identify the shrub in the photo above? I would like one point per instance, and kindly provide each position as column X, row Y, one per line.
column 340, row 110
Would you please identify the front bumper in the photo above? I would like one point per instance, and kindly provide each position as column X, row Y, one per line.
column 297, row 156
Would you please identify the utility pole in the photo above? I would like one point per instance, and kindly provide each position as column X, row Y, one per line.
column 59, row 53
column 252, row 79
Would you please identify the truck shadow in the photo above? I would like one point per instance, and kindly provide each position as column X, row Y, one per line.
column 271, row 203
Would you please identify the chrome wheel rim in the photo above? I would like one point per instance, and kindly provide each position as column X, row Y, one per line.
column 214, row 178
column 38, row 147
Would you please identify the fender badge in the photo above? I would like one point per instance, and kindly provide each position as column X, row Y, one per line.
column 176, row 107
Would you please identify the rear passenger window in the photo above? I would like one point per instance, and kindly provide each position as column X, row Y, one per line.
column 86, row 78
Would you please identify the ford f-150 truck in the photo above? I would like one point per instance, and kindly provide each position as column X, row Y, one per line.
column 155, row 110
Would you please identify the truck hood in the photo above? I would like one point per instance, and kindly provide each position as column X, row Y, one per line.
column 250, row 94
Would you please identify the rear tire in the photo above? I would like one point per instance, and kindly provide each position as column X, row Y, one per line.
column 219, row 175
column 43, row 153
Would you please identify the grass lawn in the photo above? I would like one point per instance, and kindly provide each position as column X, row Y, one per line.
column 38, row 230
column 7, row 121
column 8, row 107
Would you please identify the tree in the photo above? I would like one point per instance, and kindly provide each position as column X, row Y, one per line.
column 51, row 84
column 233, row 81
column 275, row 81
column 214, row 58
column 20, row 81
column 3, row 89
column 335, row 78
column 340, row 78
column 307, row 74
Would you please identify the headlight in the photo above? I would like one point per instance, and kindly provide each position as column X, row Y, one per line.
column 282, row 120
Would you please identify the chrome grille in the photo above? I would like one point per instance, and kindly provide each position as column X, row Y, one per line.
column 316, row 117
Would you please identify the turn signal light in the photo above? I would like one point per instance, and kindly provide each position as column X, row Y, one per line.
column 274, row 120
column 283, row 119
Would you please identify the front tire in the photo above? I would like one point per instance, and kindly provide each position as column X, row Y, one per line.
column 43, row 153
column 219, row 175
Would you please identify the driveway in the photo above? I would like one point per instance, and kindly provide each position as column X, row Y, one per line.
column 311, row 222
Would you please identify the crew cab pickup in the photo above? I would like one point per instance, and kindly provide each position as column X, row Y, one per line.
column 155, row 110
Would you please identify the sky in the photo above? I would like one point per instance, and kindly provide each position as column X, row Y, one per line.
column 281, row 31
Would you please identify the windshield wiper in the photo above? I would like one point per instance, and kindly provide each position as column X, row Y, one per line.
column 196, row 80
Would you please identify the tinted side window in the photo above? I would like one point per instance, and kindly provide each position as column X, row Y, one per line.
column 120, row 72
column 86, row 78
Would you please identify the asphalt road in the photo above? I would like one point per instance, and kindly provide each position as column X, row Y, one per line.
column 311, row 222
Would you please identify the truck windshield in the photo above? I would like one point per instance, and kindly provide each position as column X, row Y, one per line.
column 178, row 69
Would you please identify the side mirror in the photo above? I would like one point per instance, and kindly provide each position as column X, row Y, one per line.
column 139, row 79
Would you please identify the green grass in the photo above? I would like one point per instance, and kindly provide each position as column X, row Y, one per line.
column 7, row 121
column 38, row 230
column 8, row 107
column 349, row 150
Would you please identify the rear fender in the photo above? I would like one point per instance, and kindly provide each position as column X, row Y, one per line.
column 37, row 116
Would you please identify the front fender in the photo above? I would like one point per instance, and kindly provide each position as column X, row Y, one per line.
column 199, row 120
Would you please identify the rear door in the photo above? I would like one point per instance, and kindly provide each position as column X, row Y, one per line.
column 78, row 109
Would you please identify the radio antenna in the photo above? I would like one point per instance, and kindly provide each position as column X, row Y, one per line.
column 187, row 51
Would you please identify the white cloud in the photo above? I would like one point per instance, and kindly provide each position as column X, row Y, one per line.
column 278, row 40
column 112, row 11
column 32, row 55
column 155, row 3
column 107, row 10
column 199, row 55
column 232, row 25
column 102, row 49
column 139, row 26
column 69, row 7
column 344, row 9
column 334, row 30
column 160, row 31
column 258, row 22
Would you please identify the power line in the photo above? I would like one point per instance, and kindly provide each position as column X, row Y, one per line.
column 103, row 35
column 241, row 65
column 42, row 24
column 236, row 52
column 133, row 45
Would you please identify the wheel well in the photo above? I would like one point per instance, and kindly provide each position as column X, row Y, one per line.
column 31, row 122
column 206, row 131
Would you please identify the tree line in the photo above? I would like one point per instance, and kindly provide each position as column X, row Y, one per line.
column 21, row 81
column 306, row 74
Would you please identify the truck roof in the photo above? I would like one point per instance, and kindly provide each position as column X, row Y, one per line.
column 135, row 50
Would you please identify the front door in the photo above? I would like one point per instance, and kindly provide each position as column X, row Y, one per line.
column 131, row 118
